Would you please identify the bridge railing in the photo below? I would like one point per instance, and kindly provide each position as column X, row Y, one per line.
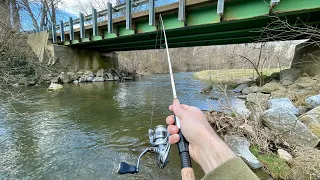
column 123, row 10
column 107, row 15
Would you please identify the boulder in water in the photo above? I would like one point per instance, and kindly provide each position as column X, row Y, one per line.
column 55, row 87
column 98, row 79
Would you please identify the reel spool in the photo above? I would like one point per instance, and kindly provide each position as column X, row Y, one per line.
column 159, row 140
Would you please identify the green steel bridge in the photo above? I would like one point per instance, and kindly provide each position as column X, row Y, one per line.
column 187, row 22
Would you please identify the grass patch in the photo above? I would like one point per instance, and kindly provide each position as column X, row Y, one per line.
column 277, row 167
column 232, row 75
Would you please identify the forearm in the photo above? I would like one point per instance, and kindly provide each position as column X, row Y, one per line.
column 214, row 152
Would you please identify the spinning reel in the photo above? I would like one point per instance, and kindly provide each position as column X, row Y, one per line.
column 159, row 140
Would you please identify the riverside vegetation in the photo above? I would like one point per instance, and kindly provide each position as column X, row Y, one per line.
column 277, row 125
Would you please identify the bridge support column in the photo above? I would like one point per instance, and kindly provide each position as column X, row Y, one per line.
column 307, row 58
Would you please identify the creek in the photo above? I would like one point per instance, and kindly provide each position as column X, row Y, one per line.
column 84, row 131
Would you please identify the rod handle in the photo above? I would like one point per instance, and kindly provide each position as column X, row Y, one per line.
column 187, row 174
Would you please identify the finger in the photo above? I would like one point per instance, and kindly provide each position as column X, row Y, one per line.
column 186, row 107
column 170, row 120
column 172, row 129
column 173, row 139
column 171, row 107
column 177, row 109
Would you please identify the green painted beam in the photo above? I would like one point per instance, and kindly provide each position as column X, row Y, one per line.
column 245, row 9
column 241, row 22
column 205, row 15
column 214, row 35
column 144, row 27
column 297, row 5
column 189, row 43
column 122, row 31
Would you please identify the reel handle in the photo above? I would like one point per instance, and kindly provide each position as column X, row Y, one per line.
column 187, row 172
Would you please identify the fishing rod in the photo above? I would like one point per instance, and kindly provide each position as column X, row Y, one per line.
column 159, row 138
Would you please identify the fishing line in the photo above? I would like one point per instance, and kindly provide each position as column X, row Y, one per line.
column 156, row 84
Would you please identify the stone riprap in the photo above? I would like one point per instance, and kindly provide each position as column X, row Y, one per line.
column 283, row 122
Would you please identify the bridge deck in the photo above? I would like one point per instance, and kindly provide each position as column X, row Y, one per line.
column 242, row 22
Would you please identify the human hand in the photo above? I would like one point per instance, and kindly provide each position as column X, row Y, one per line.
column 205, row 146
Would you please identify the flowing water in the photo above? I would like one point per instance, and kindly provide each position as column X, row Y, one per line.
column 84, row 131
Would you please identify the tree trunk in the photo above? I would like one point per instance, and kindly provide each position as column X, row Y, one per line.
column 43, row 14
column 5, row 13
column 53, row 13
column 15, row 15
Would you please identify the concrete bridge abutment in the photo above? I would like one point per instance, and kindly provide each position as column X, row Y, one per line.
column 307, row 58
column 66, row 58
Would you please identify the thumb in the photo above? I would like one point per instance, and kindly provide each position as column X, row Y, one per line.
column 177, row 108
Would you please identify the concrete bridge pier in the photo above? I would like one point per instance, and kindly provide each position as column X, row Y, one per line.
column 307, row 58
column 66, row 58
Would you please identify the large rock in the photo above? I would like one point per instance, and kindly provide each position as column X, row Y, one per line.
column 283, row 103
column 82, row 79
column 315, row 129
column 110, row 77
column 240, row 88
column 239, row 106
column 98, row 79
column 258, row 97
column 64, row 77
column 306, row 82
column 116, row 78
column 240, row 146
column 288, row 76
column 72, row 76
column 55, row 87
column 89, row 78
column 312, row 116
column 271, row 86
column 288, row 127
column 280, row 94
column 54, row 80
column 283, row 154
column 89, row 73
column 80, row 73
column 312, row 120
column 313, row 101
column 248, row 90
column 100, row 73
column 316, row 77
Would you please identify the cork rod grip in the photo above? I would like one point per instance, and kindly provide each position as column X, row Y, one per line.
column 187, row 174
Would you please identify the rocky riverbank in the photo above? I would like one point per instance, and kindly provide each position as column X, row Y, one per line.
column 56, row 81
column 277, row 126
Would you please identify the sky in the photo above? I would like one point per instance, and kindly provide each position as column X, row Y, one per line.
column 72, row 8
